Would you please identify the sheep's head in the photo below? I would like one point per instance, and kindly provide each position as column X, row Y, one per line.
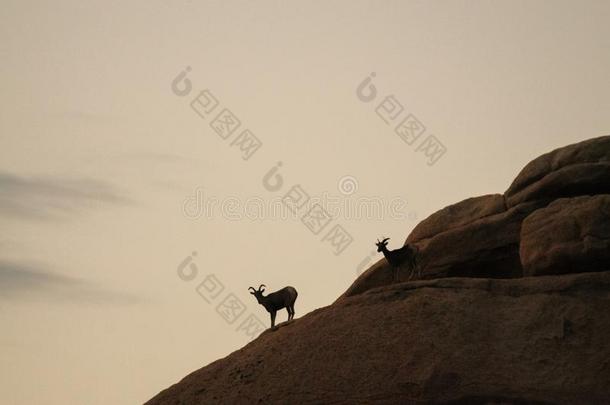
column 381, row 245
column 258, row 293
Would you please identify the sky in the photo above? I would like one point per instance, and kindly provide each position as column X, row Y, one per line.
column 158, row 158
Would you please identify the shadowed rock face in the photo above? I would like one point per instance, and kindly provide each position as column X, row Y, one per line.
column 486, row 247
column 447, row 341
column 568, row 236
column 474, row 331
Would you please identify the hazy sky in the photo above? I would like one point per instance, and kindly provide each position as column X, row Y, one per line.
column 101, row 161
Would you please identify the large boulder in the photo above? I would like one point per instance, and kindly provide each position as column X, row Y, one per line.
column 535, row 340
column 578, row 169
column 475, row 237
column 570, row 235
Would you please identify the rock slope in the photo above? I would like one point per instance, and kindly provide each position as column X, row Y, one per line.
column 536, row 340
column 512, row 309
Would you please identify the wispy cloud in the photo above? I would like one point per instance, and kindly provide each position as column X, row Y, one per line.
column 20, row 281
column 53, row 198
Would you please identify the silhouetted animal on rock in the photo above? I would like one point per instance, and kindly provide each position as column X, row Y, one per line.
column 275, row 301
column 405, row 256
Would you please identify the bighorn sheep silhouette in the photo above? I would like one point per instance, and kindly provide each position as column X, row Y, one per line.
column 396, row 258
column 273, row 302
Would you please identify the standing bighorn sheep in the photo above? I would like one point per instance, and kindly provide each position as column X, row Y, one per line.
column 273, row 302
column 396, row 258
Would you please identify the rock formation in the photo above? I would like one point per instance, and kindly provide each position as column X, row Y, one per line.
column 482, row 236
column 512, row 309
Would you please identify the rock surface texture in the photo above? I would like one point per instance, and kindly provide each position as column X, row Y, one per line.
column 512, row 308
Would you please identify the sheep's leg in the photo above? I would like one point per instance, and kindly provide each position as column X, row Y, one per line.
column 413, row 268
column 417, row 267
column 416, row 264
column 273, row 320
column 289, row 313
